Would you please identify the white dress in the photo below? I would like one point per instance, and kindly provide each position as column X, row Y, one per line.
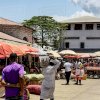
column 48, row 84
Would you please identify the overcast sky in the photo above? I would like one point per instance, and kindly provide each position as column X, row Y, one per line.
column 19, row 10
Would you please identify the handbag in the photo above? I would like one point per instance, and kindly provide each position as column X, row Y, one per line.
column 84, row 77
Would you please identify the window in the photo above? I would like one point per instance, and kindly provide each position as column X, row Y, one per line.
column 69, row 27
column 78, row 27
column 25, row 38
column 89, row 27
column 71, row 37
column 92, row 37
column 98, row 26
column 67, row 44
column 82, row 45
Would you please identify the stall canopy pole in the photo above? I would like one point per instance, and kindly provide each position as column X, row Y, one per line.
column 29, row 58
column 6, row 61
column 34, row 61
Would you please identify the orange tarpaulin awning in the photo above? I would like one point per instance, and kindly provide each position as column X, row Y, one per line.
column 17, row 50
column 5, row 50
column 28, row 49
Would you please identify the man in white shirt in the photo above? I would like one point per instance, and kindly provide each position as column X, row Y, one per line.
column 67, row 66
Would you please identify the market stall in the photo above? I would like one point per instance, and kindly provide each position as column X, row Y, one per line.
column 93, row 72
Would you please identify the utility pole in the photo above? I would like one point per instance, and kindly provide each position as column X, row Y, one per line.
column 43, row 32
column 42, row 38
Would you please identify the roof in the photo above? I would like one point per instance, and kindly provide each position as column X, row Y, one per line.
column 4, row 21
column 8, row 22
column 7, row 37
column 83, row 19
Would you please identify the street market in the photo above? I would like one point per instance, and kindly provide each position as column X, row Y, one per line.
column 50, row 50
column 33, row 63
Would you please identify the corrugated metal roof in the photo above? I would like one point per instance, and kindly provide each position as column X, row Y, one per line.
column 7, row 37
column 8, row 22
column 83, row 19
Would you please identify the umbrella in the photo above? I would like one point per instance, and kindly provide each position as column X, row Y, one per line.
column 67, row 52
column 92, row 55
column 84, row 55
column 97, row 53
column 72, row 56
column 54, row 53
column 5, row 50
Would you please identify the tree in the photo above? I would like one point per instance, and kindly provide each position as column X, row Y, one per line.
column 61, row 28
column 49, row 28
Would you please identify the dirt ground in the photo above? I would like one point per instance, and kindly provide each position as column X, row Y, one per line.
column 89, row 90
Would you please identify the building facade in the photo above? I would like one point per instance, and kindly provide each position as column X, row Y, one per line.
column 12, row 40
column 16, row 30
column 82, row 34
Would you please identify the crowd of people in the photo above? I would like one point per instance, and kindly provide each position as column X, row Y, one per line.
column 15, row 82
column 76, row 68
column 73, row 65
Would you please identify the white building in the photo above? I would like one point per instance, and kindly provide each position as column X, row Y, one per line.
column 83, row 34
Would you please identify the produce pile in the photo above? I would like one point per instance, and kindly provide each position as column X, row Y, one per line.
column 35, row 79
column 34, row 89
column 0, row 81
column 0, row 78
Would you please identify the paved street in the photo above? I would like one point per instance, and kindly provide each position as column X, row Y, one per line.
column 90, row 90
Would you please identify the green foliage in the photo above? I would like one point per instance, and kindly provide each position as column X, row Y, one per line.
column 56, row 43
column 48, row 26
column 44, row 22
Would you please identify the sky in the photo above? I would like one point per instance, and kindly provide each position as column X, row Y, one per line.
column 20, row 10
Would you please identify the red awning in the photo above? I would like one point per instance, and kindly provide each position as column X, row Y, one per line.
column 68, row 56
column 16, row 49
column 5, row 50
column 28, row 49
